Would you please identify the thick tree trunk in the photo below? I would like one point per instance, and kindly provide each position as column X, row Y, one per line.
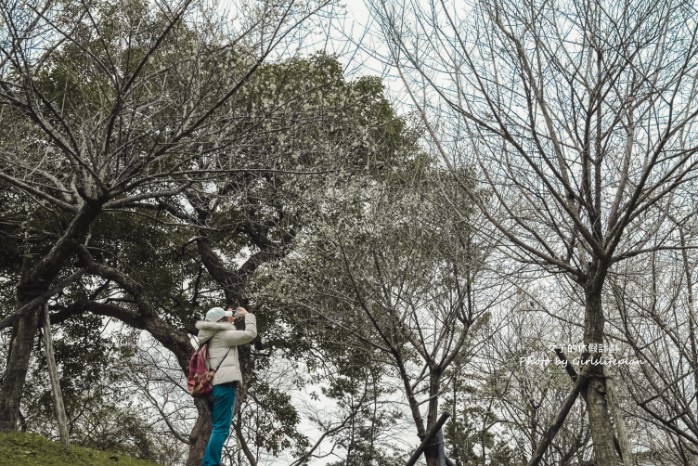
column 618, row 421
column 36, row 281
column 600, row 423
column 21, row 343
column 431, row 453
column 595, row 393
column 199, row 435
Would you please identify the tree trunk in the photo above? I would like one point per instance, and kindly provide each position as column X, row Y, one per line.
column 691, row 316
column 618, row 421
column 35, row 281
column 199, row 434
column 431, row 452
column 178, row 342
column 595, row 393
column 21, row 344
column 600, row 423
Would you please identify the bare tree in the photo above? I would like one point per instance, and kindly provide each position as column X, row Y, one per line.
column 398, row 283
column 656, row 319
column 581, row 118
column 527, row 383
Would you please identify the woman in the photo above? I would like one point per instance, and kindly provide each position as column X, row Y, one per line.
column 218, row 330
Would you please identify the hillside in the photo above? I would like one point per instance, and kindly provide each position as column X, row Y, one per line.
column 22, row 449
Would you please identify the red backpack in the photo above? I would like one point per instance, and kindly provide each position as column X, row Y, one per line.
column 200, row 377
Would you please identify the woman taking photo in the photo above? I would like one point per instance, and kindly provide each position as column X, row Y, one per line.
column 218, row 330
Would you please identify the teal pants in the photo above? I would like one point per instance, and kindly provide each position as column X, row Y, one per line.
column 222, row 414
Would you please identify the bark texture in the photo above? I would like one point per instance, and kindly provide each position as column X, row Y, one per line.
column 199, row 434
column 595, row 393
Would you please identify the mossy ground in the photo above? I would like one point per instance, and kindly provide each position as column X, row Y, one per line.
column 22, row 449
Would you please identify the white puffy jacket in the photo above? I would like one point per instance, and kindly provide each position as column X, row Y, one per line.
column 222, row 336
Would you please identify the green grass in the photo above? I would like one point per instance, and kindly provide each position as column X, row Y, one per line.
column 22, row 449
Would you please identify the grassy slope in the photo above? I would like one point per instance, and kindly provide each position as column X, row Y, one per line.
column 21, row 449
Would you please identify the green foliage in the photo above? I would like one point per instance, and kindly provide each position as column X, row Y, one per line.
column 365, row 442
column 320, row 120
column 366, row 454
column 151, row 253
column 24, row 449
column 125, row 431
column 275, row 428
column 10, row 234
column 98, row 398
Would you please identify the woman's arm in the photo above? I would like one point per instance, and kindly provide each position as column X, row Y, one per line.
column 240, row 337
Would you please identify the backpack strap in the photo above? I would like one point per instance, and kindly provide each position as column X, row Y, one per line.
column 208, row 356
column 220, row 363
column 201, row 345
